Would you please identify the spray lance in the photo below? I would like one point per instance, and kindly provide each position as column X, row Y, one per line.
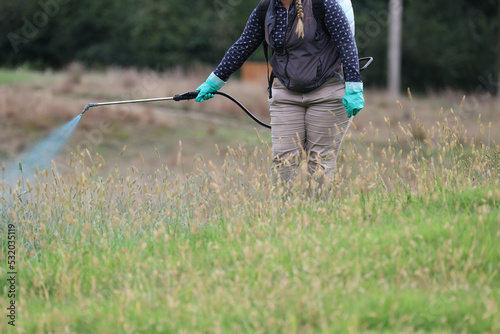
column 178, row 97
column 194, row 94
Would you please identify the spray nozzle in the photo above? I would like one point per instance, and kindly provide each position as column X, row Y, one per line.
column 88, row 106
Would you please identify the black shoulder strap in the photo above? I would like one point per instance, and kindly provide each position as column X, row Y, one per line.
column 270, row 77
column 319, row 16
column 262, row 10
column 261, row 13
column 319, row 11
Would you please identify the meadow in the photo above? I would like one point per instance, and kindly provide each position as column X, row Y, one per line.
column 160, row 219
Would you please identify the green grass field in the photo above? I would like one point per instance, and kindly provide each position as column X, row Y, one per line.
column 403, row 240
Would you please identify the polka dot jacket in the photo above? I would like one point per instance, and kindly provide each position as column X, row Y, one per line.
column 253, row 35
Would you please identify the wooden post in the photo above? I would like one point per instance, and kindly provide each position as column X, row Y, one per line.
column 395, row 40
column 498, row 57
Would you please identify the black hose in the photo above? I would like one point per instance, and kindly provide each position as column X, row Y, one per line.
column 252, row 116
column 194, row 94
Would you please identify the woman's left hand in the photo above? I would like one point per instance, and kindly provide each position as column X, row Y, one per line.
column 353, row 98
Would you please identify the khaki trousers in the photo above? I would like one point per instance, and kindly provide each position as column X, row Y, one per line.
column 307, row 128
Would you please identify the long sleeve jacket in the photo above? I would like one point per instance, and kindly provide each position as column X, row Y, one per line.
column 335, row 21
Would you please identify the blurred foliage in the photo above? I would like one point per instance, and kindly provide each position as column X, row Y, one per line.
column 445, row 44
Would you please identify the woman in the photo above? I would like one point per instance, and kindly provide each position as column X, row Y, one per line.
column 311, row 102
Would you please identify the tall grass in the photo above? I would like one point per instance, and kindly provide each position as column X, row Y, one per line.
column 404, row 239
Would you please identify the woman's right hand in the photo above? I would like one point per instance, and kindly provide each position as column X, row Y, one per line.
column 207, row 89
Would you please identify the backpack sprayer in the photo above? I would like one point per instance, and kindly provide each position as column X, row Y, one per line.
column 194, row 94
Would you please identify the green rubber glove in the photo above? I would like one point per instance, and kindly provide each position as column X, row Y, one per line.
column 353, row 98
column 206, row 90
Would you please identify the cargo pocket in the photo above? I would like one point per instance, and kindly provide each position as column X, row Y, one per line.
column 275, row 88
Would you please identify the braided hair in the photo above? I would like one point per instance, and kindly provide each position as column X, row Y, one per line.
column 300, row 16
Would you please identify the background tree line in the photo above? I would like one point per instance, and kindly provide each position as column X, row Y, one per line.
column 450, row 43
